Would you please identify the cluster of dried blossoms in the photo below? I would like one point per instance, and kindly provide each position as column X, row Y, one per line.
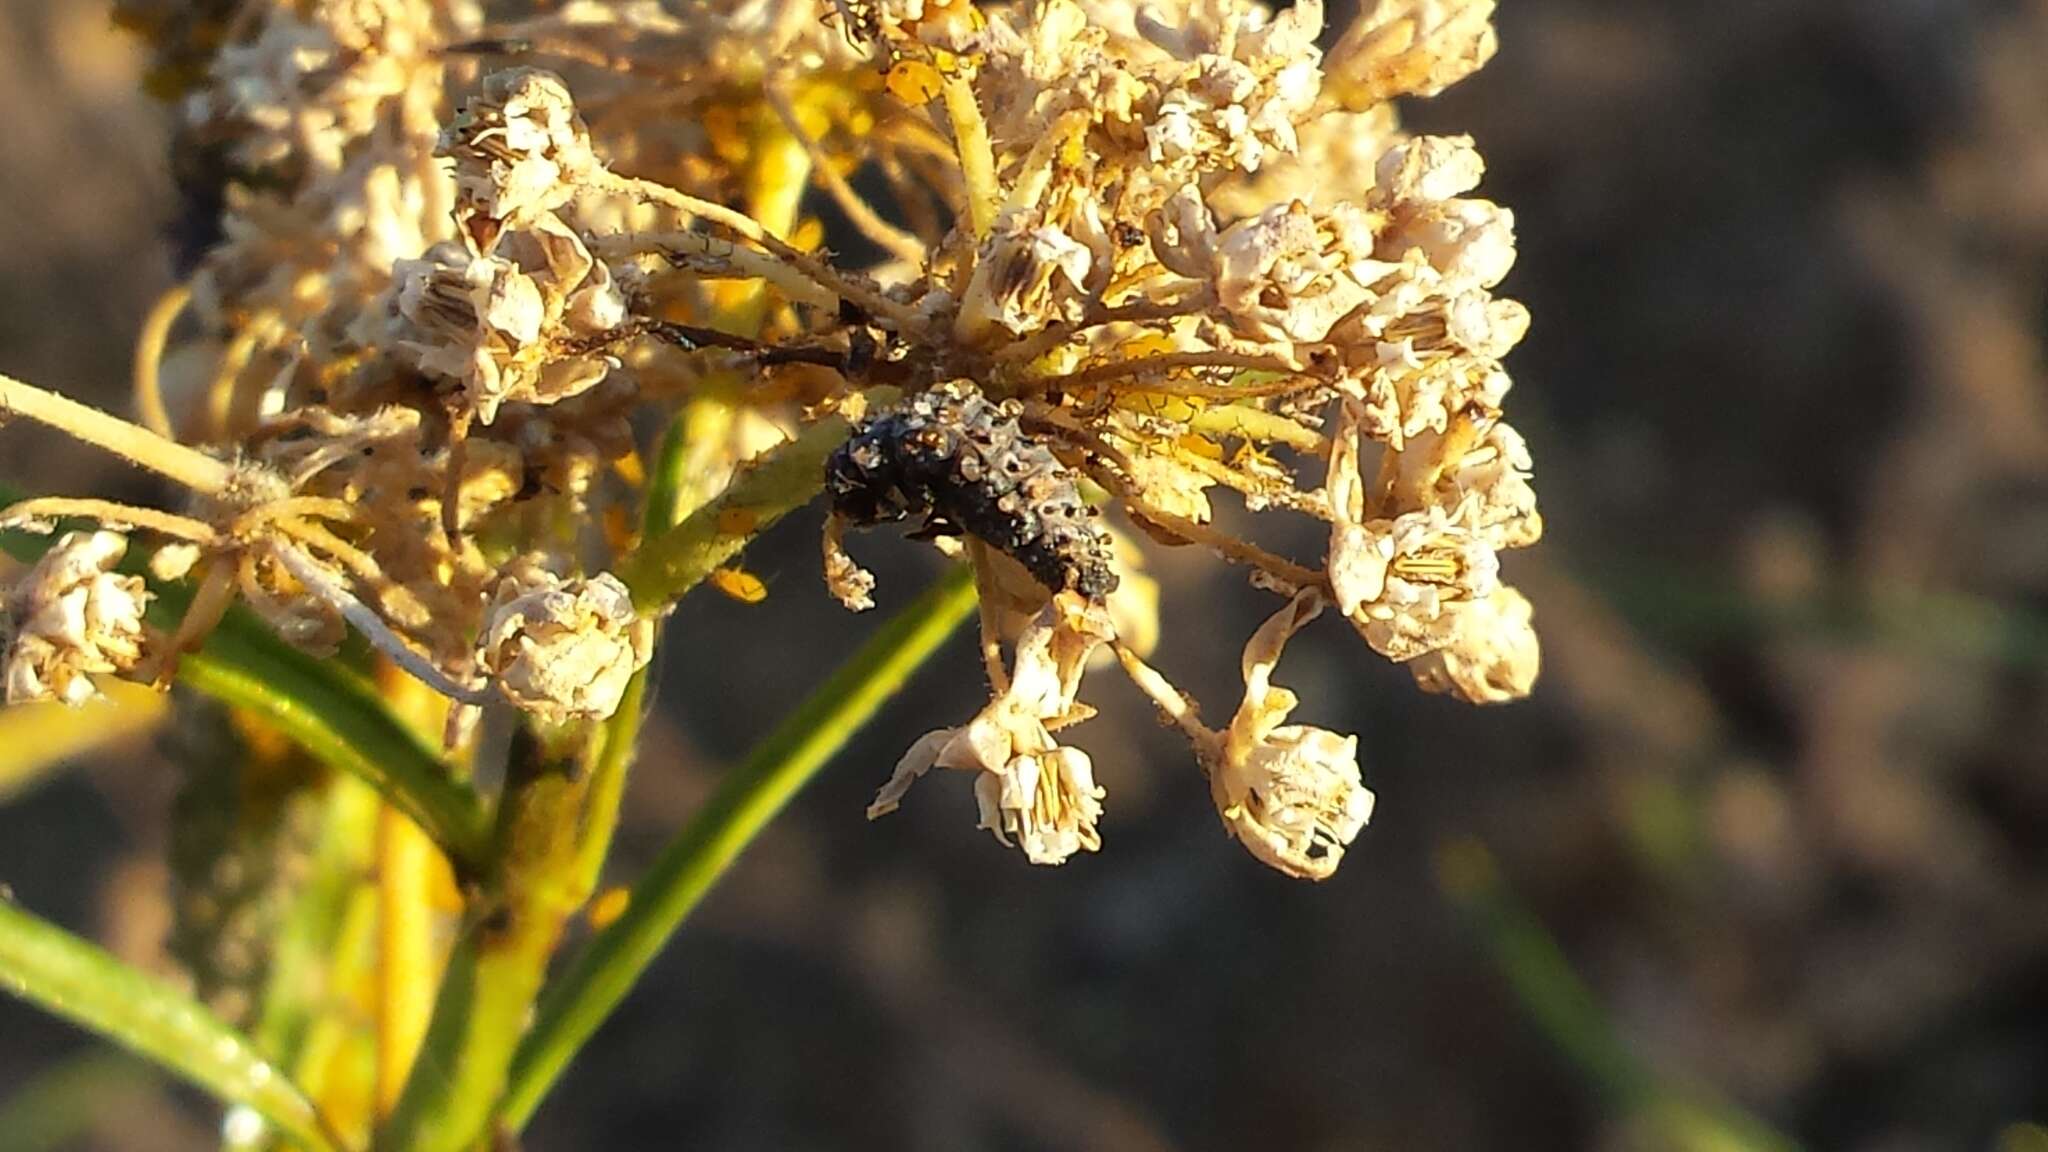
column 1127, row 255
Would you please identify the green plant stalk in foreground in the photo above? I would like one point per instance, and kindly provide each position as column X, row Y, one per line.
column 746, row 800
column 500, row 960
column 74, row 979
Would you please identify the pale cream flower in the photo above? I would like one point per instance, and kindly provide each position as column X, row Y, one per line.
column 563, row 649
column 1247, row 78
column 1337, row 153
column 1410, row 48
column 1432, row 562
column 1290, row 274
column 507, row 326
column 1469, row 242
column 1424, row 168
column 1032, row 792
column 1490, row 656
column 1489, row 484
column 74, row 617
column 520, row 151
column 1026, row 277
column 1291, row 793
column 1395, row 577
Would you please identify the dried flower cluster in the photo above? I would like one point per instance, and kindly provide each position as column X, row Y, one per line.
column 1131, row 258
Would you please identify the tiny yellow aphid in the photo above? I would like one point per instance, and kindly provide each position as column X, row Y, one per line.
column 739, row 584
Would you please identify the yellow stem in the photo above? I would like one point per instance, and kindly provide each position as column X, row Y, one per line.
column 194, row 469
column 977, row 152
column 407, row 963
column 227, row 378
column 1117, row 375
column 149, row 358
column 108, row 513
column 986, row 591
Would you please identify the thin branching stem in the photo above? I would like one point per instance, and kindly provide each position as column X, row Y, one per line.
column 190, row 467
column 840, row 285
column 108, row 513
column 322, row 584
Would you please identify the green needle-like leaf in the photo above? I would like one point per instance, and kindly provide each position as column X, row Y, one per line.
column 746, row 800
column 336, row 718
column 74, row 979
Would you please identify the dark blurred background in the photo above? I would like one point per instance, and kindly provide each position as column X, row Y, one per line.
column 1779, row 802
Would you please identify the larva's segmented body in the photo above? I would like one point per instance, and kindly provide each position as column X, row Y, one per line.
column 963, row 463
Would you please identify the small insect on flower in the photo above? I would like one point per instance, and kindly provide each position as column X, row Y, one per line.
column 962, row 462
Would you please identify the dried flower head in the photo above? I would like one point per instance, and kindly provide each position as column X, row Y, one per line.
column 520, row 151
column 73, row 617
column 563, row 649
column 1142, row 262
column 517, row 325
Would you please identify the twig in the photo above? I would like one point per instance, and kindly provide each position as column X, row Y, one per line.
column 1229, row 547
column 884, row 309
column 323, row 585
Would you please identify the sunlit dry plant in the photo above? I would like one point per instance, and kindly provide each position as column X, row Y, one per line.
column 1133, row 276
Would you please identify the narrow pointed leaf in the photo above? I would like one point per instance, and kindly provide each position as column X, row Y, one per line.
column 75, row 979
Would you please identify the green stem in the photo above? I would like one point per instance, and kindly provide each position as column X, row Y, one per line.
column 670, row 564
column 313, row 960
column 74, row 979
column 499, row 963
column 746, row 800
column 342, row 724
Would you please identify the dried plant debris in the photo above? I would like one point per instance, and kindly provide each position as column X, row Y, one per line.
column 1137, row 259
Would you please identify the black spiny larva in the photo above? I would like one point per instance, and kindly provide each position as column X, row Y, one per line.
column 961, row 462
